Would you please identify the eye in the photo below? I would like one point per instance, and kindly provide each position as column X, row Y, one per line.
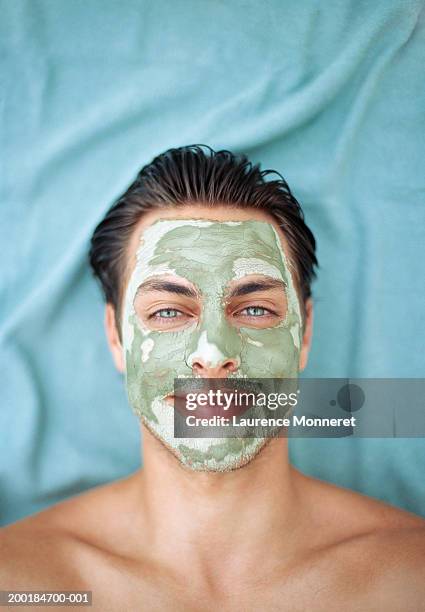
column 255, row 311
column 166, row 313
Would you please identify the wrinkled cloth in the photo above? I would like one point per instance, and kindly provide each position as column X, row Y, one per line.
column 330, row 94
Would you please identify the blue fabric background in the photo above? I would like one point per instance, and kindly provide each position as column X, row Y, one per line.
column 331, row 94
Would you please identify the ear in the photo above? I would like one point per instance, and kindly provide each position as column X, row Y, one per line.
column 308, row 332
column 113, row 338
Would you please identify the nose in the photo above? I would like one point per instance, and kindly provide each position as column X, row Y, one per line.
column 209, row 361
column 206, row 369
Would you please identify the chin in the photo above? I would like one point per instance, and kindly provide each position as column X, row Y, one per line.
column 230, row 463
column 209, row 454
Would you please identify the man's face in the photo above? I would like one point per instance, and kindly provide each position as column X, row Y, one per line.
column 213, row 299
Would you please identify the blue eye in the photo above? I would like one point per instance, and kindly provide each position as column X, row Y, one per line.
column 167, row 313
column 255, row 311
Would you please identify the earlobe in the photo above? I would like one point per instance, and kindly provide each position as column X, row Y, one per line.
column 308, row 332
column 113, row 338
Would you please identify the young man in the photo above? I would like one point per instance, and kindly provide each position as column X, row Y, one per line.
column 206, row 269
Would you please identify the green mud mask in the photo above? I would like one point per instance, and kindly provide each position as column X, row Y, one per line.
column 209, row 258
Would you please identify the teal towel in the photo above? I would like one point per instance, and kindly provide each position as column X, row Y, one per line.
column 331, row 94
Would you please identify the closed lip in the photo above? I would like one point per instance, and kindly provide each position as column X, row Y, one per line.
column 226, row 390
column 205, row 410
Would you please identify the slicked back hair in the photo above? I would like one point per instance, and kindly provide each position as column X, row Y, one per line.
column 197, row 174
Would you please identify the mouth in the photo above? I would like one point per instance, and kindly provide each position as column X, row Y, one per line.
column 210, row 403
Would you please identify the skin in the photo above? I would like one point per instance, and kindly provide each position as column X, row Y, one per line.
column 257, row 334
column 262, row 537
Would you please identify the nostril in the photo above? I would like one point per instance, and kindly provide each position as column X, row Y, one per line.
column 198, row 365
column 230, row 365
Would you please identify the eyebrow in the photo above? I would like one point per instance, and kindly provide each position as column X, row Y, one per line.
column 168, row 287
column 242, row 289
column 258, row 285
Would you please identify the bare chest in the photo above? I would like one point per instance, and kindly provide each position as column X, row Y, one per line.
column 306, row 591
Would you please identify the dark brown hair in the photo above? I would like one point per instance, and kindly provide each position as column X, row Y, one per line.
column 198, row 174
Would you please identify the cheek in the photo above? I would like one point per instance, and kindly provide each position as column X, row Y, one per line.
column 269, row 353
column 160, row 353
column 155, row 360
column 151, row 366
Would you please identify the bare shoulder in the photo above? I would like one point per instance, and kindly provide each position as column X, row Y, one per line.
column 388, row 565
column 35, row 555
column 351, row 513
column 55, row 548
column 377, row 550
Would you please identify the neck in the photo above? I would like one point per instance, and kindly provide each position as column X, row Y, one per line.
column 227, row 520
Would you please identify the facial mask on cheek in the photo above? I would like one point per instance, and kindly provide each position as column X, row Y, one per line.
column 209, row 255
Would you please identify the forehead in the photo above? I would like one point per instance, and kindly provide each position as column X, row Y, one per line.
column 203, row 236
column 200, row 245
